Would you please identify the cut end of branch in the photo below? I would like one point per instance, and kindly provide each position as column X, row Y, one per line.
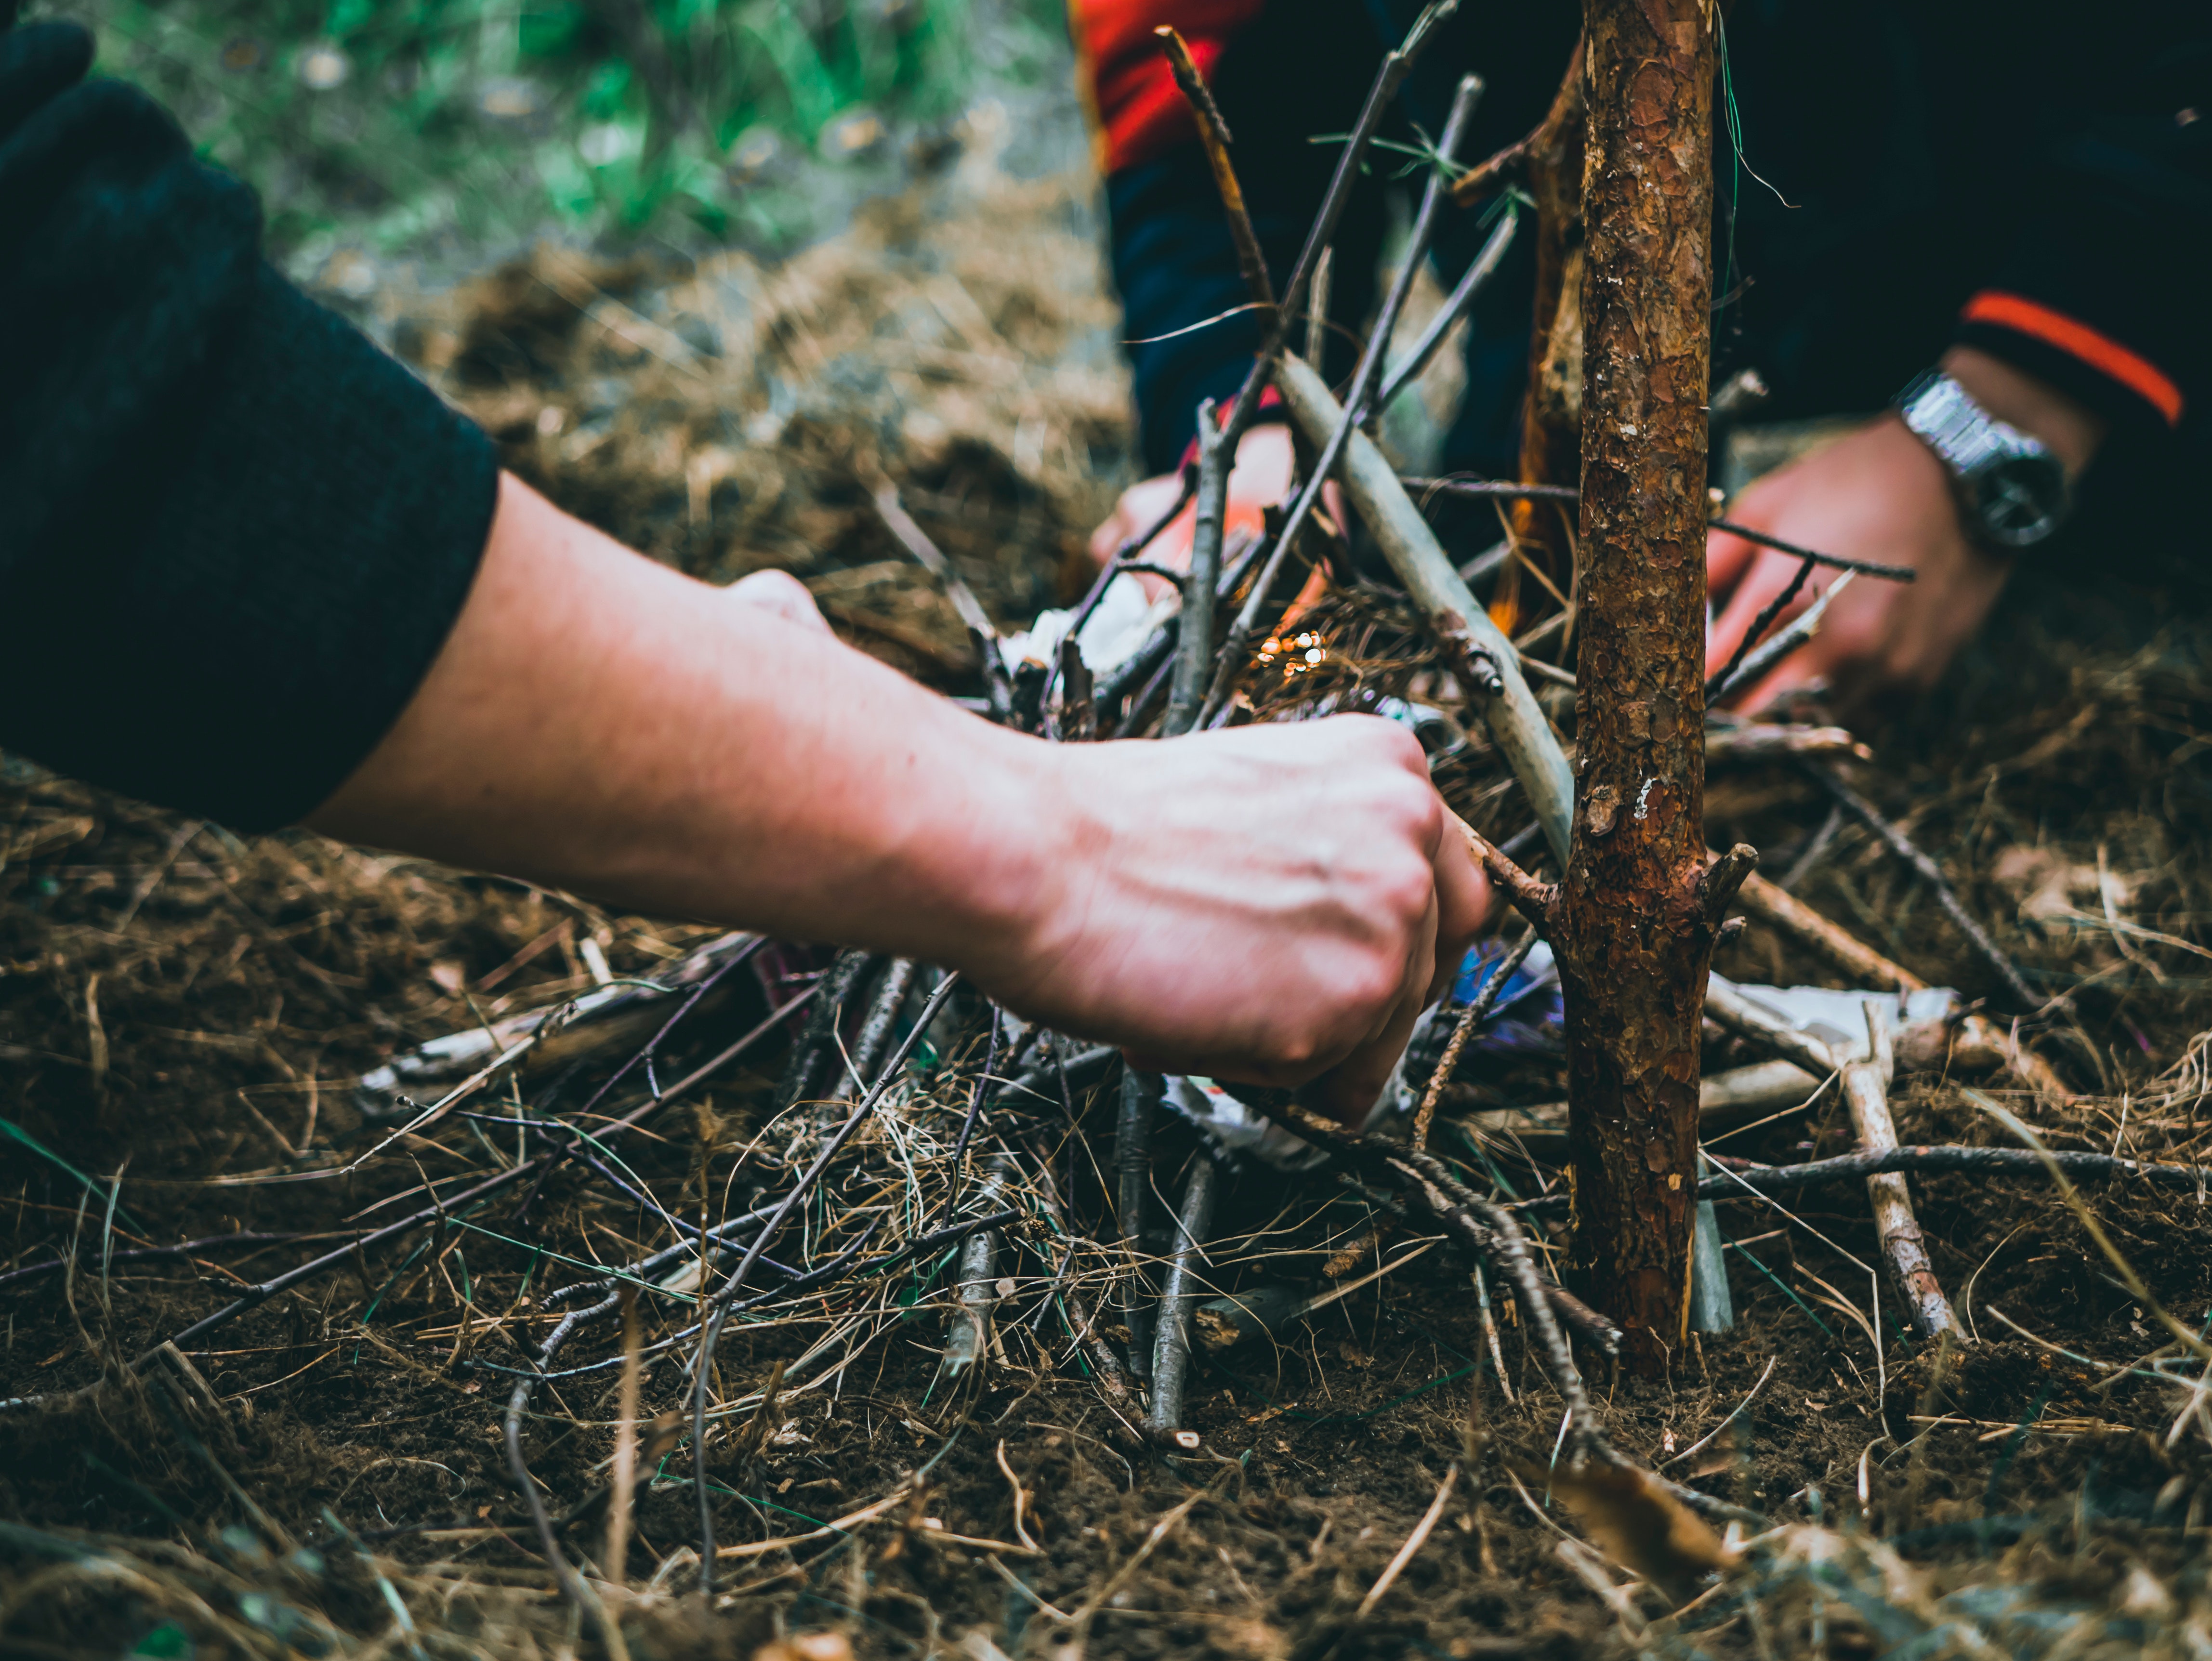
column 1723, row 877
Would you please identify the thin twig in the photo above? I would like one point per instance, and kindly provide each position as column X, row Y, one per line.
column 1906, row 849
column 1834, row 562
column 1357, row 404
column 1866, row 1092
column 1759, row 626
column 1485, row 662
column 1195, row 648
column 1414, row 1540
column 614, row 1567
column 926, row 554
column 1942, row 1157
column 1732, row 1416
column 1132, row 1170
column 1171, row 1344
column 1566, row 105
column 1213, row 136
column 1980, row 1039
column 1471, row 283
column 1476, row 1013
column 1801, row 630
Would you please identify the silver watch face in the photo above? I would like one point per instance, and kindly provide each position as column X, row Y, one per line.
column 2012, row 491
column 2017, row 501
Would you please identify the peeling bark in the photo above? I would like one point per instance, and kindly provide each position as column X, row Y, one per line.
column 1636, row 914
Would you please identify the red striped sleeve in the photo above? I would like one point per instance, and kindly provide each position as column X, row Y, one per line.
column 2107, row 357
column 1127, row 86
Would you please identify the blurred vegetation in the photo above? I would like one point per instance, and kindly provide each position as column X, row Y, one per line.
column 404, row 126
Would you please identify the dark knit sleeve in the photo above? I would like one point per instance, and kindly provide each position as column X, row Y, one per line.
column 236, row 533
column 2103, row 295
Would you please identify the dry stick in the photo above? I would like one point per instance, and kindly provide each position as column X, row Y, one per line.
column 1389, row 1578
column 1317, row 307
column 1481, row 656
column 1542, row 1304
column 1835, row 562
column 1133, row 1147
column 1407, row 369
column 1906, row 849
column 1357, row 402
column 912, row 537
column 1758, row 662
column 1195, row 648
column 882, row 1014
column 974, row 1291
column 1149, row 664
column 1482, row 1227
column 1979, row 1161
column 616, row 1567
column 572, row 1586
column 1447, row 1064
column 1171, row 1343
column 1759, row 626
column 982, row 1083
column 1865, row 1081
column 1981, row 1039
column 1866, row 1090
column 1113, row 687
column 1489, row 1331
column 1767, row 741
column 1214, row 135
column 703, row 1362
column 1491, row 490
column 838, row 982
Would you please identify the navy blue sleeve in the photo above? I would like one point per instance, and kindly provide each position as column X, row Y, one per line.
column 236, row 533
column 1298, row 74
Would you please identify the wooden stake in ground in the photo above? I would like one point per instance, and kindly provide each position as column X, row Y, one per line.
column 1636, row 914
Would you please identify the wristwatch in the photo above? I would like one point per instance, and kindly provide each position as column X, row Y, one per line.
column 2013, row 492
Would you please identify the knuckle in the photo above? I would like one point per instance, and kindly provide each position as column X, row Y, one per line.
column 1372, row 984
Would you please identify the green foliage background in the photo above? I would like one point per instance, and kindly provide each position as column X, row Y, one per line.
column 408, row 125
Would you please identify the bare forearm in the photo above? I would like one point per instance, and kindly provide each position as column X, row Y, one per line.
column 600, row 723
column 1259, row 904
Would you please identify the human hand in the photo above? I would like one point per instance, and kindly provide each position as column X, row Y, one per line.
column 1258, row 904
column 1879, row 495
column 1262, row 905
column 1261, row 478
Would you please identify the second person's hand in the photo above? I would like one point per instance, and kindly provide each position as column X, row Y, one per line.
column 1261, row 478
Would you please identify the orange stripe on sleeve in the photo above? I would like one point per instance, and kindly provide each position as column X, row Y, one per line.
column 2100, row 351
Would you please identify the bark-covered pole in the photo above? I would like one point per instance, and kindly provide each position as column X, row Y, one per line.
column 1635, row 918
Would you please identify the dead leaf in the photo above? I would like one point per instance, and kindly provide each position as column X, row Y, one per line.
column 1634, row 1520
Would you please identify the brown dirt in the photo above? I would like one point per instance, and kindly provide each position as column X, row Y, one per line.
column 187, row 1011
